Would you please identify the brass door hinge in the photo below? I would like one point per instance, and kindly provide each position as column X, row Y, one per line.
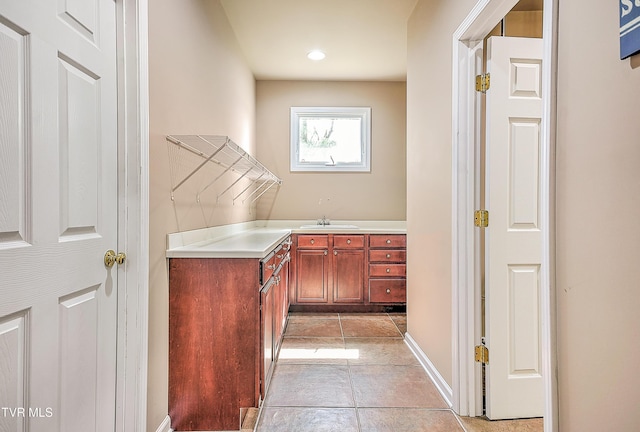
column 482, row 354
column 481, row 218
column 483, row 82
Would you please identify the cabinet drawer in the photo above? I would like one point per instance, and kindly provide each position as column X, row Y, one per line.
column 387, row 241
column 380, row 255
column 267, row 266
column 381, row 270
column 387, row 291
column 313, row 241
column 348, row 241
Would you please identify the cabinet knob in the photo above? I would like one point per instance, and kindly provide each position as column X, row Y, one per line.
column 335, row 253
column 388, row 241
column 388, row 291
column 388, row 270
column 388, row 255
column 348, row 241
column 312, row 241
column 326, row 252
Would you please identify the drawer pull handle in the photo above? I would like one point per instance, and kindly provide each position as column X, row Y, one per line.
column 388, row 241
column 388, row 255
column 348, row 241
column 312, row 241
column 388, row 270
column 388, row 291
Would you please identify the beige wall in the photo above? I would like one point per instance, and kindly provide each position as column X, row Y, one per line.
column 429, row 227
column 597, row 208
column 598, row 235
column 378, row 195
column 199, row 84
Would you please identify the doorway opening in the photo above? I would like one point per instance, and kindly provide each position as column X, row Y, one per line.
column 489, row 18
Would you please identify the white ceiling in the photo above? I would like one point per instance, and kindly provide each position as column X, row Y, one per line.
column 363, row 39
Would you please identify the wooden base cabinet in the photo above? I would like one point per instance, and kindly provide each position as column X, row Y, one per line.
column 349, row 269
column 387, row 269
column 226, row 320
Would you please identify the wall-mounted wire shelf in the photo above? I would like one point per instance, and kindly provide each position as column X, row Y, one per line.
column 222, row 151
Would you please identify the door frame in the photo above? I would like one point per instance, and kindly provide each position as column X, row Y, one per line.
column 133, row 214
column 467, row 40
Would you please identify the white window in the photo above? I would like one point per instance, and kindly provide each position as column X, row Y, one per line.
column 330, row 139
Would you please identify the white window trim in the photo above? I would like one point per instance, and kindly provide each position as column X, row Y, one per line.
column 363, row 112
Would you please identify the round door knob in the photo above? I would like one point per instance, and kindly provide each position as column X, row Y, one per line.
column 110, row 258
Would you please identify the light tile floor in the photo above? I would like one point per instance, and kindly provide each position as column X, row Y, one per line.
column 354, row 373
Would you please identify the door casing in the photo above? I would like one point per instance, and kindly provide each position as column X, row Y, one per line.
column 133, row 218
column 467, row 41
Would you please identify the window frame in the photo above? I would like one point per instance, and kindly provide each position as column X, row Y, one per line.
column 298, row 113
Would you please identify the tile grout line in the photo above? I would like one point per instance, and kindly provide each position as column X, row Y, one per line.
column 353, row 393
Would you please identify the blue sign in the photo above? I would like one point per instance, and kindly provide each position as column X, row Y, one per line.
column 629, row 27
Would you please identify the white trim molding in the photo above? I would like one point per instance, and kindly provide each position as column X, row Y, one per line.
column 438, row 380
column 133, row 223
column 165, row 426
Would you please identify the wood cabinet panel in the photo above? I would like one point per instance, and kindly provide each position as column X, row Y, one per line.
column 387, row 241
column 387, row 291
column 309, row 241
column 267, row 316
column 342, row 241
column 348, row 275
column 214, row 326
column 312, row 275
column 381, row 270
column 381, row 255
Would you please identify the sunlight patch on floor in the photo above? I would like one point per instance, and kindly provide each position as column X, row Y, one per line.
column 319, row 353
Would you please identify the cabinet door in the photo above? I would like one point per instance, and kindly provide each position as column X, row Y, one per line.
column 267, row 324
column 312, row 273
column 348, row 275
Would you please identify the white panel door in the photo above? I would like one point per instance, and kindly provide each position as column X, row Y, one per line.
column 58, row 215
column 513, row 238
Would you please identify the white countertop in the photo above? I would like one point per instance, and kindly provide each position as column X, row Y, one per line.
column 256, row 239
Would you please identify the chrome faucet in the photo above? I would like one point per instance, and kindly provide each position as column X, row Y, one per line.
column 324, row 221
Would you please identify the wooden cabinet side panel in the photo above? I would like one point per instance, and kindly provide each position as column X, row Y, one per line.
column 214, row 341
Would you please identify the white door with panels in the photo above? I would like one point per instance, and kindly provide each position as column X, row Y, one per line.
column 513, row 254
column 58, row 215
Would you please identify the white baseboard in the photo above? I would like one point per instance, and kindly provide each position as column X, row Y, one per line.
column 165, row 426
column 438, row 380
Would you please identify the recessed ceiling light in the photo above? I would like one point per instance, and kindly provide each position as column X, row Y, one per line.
column 316, row 55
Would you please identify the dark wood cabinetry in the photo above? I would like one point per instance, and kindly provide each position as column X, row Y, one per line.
column 226, row 319
column 349, row 269
column 312, row 269
column 387, row 269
